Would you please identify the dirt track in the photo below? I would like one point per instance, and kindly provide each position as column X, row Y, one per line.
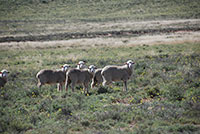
column 67, row 36
column 153, row 32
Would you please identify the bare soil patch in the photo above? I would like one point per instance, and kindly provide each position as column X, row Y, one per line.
column 117, row 34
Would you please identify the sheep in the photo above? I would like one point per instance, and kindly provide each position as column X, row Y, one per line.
column 97, row 78
column 81, row 77
column 112, row 73
column 52, row 77
column 3, row 77
column 81, row 65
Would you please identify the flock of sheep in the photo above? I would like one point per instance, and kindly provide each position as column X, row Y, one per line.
column 81, row 75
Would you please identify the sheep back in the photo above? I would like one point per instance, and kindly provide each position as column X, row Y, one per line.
column 116, row 73
column 51, row 76
column 79, row 76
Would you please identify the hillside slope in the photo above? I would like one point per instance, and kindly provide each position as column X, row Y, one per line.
column 44, row 17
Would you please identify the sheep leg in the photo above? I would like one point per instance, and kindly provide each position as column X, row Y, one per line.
column 85, row 86
column 93, row 84
column 59, row 86
column 73, row 85
column 105, row 83
column 66, row 86
column 67, row 83
column 125, row 86
column 39, row 84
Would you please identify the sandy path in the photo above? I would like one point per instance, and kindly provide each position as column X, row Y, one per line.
column 120, row 39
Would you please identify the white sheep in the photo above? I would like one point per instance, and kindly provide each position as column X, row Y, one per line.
column 58, row 77
column 81, row 77
column 97, row 78
column 112, row 73
column 81, row 65
column 3, row 77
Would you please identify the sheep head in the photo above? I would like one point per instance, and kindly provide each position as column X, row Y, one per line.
column 65, row 67
column 130, row 63
column 91, row 68
column 81, row 65
column 4, row 73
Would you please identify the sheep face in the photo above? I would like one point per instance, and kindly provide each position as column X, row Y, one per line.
column 4, row 73
column 65, row 67
column 91, row 68
column 81, row 65
column 130, row 63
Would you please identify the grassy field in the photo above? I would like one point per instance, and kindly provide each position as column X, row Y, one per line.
column 97, row 10
column 33, row 17
column 163, row 95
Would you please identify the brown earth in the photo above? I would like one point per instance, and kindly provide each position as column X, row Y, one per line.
column 108, row 34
